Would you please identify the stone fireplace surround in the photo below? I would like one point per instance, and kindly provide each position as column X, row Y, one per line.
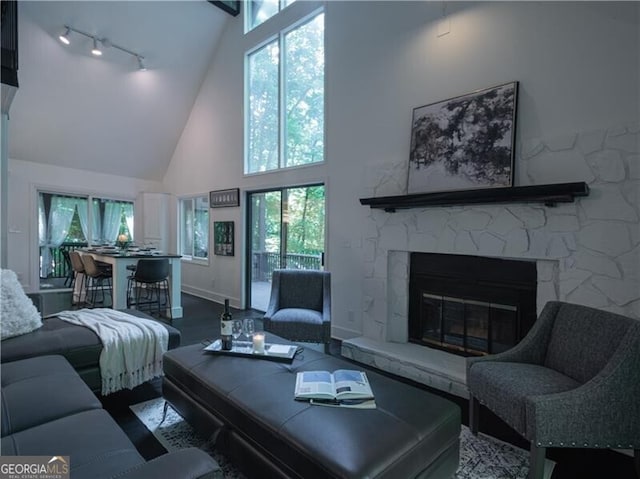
column 436, row 368
column 587, row 252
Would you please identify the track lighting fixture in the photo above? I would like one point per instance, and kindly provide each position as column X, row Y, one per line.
column 64, row 38
column 95, row 50
column 99, row 44
column 141, row 66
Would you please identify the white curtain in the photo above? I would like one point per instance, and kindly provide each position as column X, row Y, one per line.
column 96, row 223
column 111, row 220
column 128, row 212
column 83, row 212
column 45, row 254
column 60, row 217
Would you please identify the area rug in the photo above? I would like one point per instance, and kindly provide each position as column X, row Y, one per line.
column 481, row 457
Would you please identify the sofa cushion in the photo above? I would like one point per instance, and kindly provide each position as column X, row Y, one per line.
column 18, row 315
column 96, row 445
column 78, row 344
column 504, row 387
column 39, row 390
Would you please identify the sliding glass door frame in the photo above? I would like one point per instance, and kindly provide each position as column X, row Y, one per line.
column 284, row 231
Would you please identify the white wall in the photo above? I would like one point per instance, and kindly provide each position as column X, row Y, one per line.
column 578, row 68
column 25, row 178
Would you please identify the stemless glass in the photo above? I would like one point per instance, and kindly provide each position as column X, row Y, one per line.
column 236, row 328
column 249, row 328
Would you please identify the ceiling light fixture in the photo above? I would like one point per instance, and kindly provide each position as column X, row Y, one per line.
column 95, row 50
column 100, row 43
column 141, row 66
column 64, row 38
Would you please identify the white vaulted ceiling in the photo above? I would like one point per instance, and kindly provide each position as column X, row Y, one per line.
column 102, row 114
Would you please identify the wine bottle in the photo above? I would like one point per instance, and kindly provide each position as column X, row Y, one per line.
column 226, row 327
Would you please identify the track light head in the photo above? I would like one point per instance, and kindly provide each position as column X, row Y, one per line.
column 96, row 51
column 141, row 66
column 64, row 37
column 101, row 43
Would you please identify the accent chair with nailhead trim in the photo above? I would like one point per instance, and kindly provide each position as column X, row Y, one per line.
column 573, row 381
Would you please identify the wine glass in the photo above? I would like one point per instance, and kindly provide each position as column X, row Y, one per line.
column 236, row 328
column 249, row 328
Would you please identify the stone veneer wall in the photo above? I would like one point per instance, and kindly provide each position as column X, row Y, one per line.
column 588, row 252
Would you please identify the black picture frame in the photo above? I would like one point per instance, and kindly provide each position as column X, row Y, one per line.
column 223, row 238
column 231, row 7
column 224, row 198
column 465, row 142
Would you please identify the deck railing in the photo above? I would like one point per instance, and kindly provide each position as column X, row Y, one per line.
column 265, row 262
column 59, row 267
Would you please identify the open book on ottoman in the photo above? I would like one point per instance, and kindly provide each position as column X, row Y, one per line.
column 343, row 387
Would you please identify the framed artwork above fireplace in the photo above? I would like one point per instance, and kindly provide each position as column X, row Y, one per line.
column 465, row 142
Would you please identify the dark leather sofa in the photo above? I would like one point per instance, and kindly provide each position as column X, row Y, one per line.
column 79, row 345
column 47, row 409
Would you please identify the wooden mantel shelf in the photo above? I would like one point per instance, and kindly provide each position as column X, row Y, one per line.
column 547, row 194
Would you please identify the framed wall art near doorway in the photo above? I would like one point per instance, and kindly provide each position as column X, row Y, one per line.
column 465, row 142
column 223, row 234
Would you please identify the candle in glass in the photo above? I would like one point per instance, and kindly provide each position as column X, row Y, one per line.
column 258, row 343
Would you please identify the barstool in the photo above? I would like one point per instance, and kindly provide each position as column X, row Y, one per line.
column 97, row 273
column 151, row 275
column 69, row 278
column 79, row 294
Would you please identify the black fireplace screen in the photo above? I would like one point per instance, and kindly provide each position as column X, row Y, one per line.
column 470, row 305
column 469, row 326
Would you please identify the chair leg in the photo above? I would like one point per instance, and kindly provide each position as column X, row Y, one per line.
column 536, row 461
column 474, row 414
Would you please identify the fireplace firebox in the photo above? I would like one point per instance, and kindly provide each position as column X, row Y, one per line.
column 470, row 305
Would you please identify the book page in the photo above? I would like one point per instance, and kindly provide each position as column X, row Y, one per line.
column 316, row 384
column 351, row 384
column 364, row 404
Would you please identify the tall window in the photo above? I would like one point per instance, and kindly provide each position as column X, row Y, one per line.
column 285, row 97
column 259, row 11
column 194, row 228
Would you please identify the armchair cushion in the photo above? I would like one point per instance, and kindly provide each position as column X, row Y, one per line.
column 18, row 314
column 505, row 387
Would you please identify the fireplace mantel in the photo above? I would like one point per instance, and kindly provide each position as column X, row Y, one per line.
column 547, row 194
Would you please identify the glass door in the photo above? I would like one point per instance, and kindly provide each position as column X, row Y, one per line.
column 286, row 230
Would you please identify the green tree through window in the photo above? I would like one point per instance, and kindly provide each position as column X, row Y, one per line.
column 292, row 108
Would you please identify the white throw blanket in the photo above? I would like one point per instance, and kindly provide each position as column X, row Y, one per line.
column 132, row 346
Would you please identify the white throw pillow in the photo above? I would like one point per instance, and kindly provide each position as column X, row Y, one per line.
column 18, row 315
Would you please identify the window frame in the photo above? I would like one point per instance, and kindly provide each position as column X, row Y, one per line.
column 191, row 258
column 276, row 28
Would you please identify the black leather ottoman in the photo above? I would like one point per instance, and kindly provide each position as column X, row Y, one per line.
column 249, row 404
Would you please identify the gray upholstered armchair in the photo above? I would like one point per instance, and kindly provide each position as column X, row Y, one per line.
column 300, row 306
column 573, row 381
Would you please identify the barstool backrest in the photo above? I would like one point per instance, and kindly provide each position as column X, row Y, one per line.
column 152, row 270
column 76, row 261
column 90, row 266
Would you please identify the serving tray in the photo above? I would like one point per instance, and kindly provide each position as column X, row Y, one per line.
column 283, row 353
